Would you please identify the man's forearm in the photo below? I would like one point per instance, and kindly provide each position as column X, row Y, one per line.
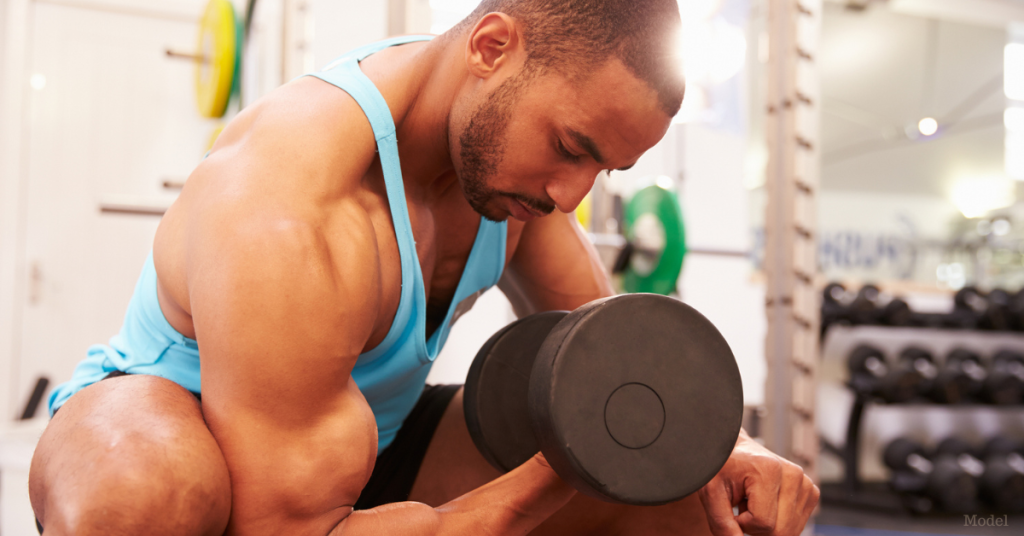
column 513, row 504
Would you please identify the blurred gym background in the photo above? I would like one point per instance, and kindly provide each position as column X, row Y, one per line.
column 839, row 195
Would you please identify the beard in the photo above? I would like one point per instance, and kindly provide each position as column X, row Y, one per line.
column 482, row 147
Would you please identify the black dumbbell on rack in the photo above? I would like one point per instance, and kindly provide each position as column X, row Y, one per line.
column 1002, row 484
column 865, row 308
column 941, row 482
column 959, row 379
column 997, row 315
column 969, row 306
column 868, row 370
column 1004, row 384
column 1000, row 480
column 1015, row 310
column 905, row 379
column 834, row 310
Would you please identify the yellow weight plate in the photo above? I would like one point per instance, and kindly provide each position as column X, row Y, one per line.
column 215, row 72
column 583, row 211
column 213, row 137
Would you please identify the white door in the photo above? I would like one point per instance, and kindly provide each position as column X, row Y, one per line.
column 112, row 118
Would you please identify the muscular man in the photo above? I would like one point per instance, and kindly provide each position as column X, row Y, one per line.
column 316, row 273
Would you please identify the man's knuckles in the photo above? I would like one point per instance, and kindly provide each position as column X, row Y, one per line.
column 754, row 524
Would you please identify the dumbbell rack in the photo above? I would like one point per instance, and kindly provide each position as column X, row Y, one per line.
column 853, row 491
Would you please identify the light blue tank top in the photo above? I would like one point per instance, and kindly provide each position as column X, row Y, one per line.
column 392, row 375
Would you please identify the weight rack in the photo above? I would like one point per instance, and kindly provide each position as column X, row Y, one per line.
column 852, row 491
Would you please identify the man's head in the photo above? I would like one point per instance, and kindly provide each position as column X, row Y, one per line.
column 560, row 90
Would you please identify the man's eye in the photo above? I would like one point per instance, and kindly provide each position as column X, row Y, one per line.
column 565, row 152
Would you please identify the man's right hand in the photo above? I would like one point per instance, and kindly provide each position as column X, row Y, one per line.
column 515, row 503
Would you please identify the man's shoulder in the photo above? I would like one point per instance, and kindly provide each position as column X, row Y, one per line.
column 285, row 183
column 314, row 123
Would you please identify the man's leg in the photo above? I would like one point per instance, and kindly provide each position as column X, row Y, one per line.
column 130, row 455
column 453, row 466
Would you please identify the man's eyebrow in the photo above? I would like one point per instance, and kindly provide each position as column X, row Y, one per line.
column 587, row 144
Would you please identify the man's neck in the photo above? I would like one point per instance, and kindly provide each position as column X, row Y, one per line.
column 420, row 83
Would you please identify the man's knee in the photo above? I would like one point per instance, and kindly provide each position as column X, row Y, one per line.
column 148, row 467
column 131, row 499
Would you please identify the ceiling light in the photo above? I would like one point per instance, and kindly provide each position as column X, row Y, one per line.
column 37, row 81
column 1013, row 71
column 928, row 126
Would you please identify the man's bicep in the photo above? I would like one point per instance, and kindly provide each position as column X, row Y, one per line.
column 554, row 267
column 279, row 325
column 269, row 302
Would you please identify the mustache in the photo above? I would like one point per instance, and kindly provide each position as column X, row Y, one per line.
column 540, row 206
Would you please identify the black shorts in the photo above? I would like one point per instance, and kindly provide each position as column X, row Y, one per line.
column 396, row 468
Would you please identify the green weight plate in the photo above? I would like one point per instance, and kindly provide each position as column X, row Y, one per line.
column 654, row 224
column 236, row 80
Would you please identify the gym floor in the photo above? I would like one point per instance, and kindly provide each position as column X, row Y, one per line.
column 888, row 518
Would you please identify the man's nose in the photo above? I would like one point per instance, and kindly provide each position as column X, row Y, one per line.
column 567, row 191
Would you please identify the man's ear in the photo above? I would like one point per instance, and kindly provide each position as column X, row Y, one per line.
column 494, row 42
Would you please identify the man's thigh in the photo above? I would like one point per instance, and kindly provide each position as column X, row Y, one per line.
column 453, row 466
column 137, row 446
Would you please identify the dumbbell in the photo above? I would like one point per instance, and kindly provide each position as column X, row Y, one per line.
column 1004, row 384
column 864, row 306
column 969, row 305
column 868, row 370
column 1015, row 310
column 868, row 308
column 834, row 310
column 997, row 315
column 909, row 377
column 1002, row 484
column 913, row 375
column 944, row 479
column 632, row 399
column 897, row 312
column 959, row 379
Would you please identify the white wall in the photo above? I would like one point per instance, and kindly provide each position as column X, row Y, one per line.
column 13, row 86
column 723, row 288
column 491, row 312
column 341, row 25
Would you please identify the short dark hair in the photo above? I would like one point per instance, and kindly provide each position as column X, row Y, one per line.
column 576, row 35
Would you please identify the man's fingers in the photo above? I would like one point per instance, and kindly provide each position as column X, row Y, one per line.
column 717, row 502
column 811, row 503
column 793, row 494
column 762, row 494
column 797, row 499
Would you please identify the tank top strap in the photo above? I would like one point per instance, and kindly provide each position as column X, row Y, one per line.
column 345, row 74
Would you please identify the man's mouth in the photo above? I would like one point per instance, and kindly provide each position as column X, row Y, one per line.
column 521, row 211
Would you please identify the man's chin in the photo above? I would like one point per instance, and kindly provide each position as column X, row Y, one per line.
column 493, row 215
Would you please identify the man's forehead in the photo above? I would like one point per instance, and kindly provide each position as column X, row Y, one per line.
column 612, row 119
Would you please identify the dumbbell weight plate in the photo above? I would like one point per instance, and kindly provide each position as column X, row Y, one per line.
column 494, row 399
column 636, row 399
